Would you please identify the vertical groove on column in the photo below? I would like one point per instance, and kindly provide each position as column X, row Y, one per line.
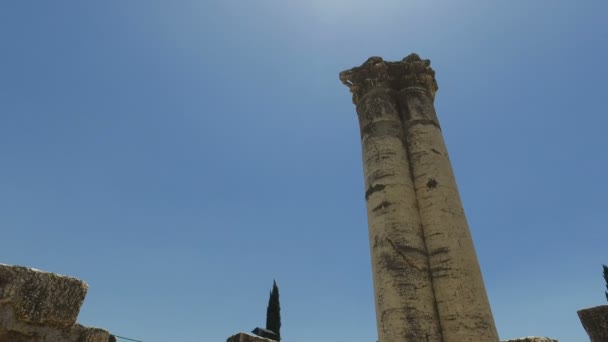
column 462, row 303
column 411, row 170
column 405, row 303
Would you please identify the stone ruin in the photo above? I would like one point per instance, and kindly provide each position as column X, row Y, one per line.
column 532, row 339
column 427, row 281
column 37, row 306
column 244, row 337
column 595, row 322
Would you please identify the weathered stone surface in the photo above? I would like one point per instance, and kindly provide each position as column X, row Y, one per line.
column 595, row 322
column 37, row 306
column 244, row 337
column 427, row 280
column 395, row 75
column 462, row 303
column 39, row 297
column 532, row 339
column 405, row 305
column 14, row 330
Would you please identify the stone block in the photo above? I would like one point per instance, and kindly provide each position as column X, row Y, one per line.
column 41, row 298
column 595, row 322
column 14, row 330
column 244, row 337
column 532, row 339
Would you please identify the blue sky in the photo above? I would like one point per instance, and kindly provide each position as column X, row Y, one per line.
column 179, row 155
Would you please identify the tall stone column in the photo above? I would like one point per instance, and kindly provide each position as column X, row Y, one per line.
column 462, row 302
column 405, row 304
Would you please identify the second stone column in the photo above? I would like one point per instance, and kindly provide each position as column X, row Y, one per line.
column 462, row 303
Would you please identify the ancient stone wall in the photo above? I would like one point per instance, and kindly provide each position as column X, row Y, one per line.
column 38, row 306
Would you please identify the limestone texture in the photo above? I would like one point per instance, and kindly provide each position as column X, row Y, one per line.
column 405, row 305
column 244, row 337
column 595, row 322
column 427, row 281
column 462, row 302
column 37, row 306
column 40, row 297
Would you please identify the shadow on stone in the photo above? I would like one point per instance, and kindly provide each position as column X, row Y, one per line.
column 595, row 322
column 38, row 306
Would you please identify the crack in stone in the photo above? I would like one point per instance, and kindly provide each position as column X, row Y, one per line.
column 439, row 251
column 382, row 205
column 407, row 260
column 384, row 176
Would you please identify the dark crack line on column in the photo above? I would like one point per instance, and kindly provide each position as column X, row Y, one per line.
column 441, row 250
column 377, row 150
column 382, row 205
column 384, row 176
column 409, row 262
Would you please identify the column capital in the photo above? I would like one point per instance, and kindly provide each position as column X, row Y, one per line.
column 374, row 72
column 411, row 72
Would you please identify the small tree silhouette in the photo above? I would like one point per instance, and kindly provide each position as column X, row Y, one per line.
column 273, row 312
column 606, row 279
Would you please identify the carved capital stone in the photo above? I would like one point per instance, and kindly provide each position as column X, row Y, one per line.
column 414, row 72
column 374, row 73
column 411, row 72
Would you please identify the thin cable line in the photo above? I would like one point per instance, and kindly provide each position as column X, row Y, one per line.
column 126, row 338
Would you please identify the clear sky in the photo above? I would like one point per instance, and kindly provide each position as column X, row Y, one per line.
column 179, row 155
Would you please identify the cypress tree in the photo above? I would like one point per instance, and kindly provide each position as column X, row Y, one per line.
column 273, row 312
column 606, row 279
